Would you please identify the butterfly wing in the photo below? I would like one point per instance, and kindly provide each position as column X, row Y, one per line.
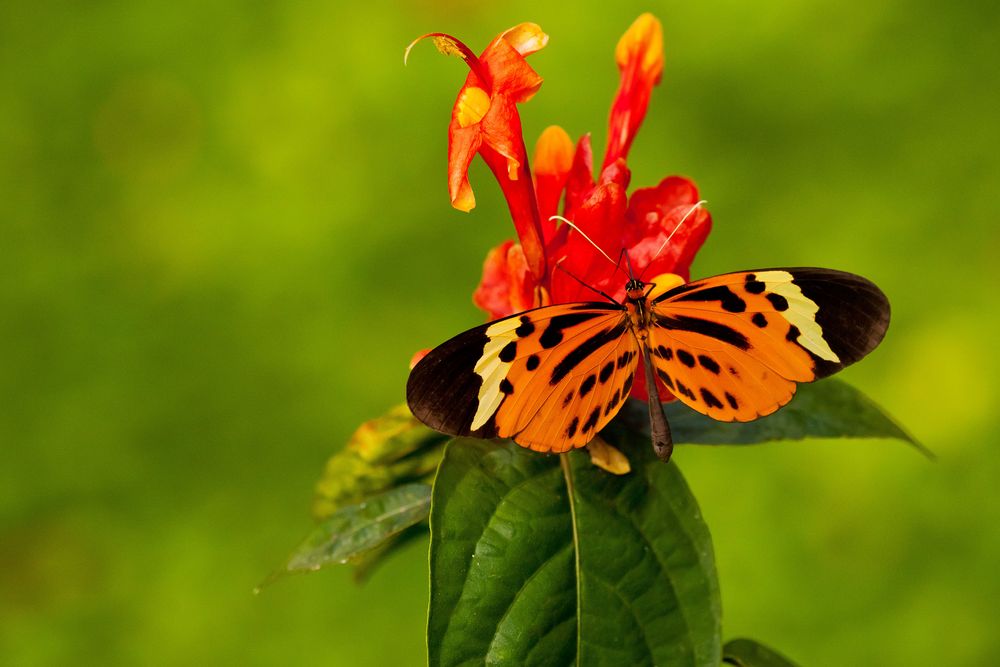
column 734, row 346
column 549, row 378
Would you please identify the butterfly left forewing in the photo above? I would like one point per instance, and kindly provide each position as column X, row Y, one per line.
column 734, row 346
column 549, row 378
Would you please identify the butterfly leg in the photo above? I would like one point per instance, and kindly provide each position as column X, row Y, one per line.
column 663, row 444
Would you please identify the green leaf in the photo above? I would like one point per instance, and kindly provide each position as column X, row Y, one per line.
column 748, row 653
column 502, row 564
column 352, row 531
column 826, row 409
column 540, row 560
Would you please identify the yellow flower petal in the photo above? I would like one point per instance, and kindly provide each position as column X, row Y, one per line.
column 643, row 39
column 553, row 152
column 526, row 38
column 472, row 105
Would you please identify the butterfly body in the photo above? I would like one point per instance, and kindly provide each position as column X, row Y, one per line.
column 732, row 347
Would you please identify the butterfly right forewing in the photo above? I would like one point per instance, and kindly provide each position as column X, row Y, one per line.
column 734, row 346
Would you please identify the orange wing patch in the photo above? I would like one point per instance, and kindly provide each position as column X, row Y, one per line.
column 563, row 395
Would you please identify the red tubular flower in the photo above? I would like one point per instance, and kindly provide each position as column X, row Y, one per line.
column 640, row 59
column 485, row 120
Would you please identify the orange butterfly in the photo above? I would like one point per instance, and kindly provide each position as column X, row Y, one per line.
column 732, row 347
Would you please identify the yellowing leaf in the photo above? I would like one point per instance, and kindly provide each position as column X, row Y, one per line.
column 606, row 457
column 382, row 453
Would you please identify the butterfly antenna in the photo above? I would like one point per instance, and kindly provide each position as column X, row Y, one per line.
column 590, row 287
column 562, row 219
column 671, row 235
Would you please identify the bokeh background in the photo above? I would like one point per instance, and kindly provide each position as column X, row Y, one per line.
column 224, row 229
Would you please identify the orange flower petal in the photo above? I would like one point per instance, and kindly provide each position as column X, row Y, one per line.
column 527, row 38
column 417, row 356
column 463, row 144
column 509, row 73
column 642, row 43
column 507, row 286
column 484, row 120
column 581, row 177
column 640, row 58
column 601, row 217
column 552, row 162
column 522, row 295
column 653, row 215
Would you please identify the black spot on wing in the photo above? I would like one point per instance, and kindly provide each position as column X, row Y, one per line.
column 587, row 385
column 753, row 285
column 684, row 390
column 553, row 333
column 793, row 333
column 509, row 352
column 532, row 362
column 591, row 422
column 613, row 403
column 606, row 372
column 665, row 378
column 625, row 358
column 627, row 387
column 685, row 358
column 708, row 363
column 573, row 425
column 759, row 320
column 779, row 302
column 710, row 399
column 733, row 403
column 506, row 387
column 527, row 327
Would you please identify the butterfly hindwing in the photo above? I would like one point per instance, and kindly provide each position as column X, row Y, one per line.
column 550, row 378
column 734, row 346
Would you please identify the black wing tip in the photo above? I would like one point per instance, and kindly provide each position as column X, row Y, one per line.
column 854, row 313
column 442, row 389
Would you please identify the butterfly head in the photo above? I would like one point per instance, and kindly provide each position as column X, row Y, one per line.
column 635, row 289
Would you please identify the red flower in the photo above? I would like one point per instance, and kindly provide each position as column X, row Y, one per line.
column 485, row 120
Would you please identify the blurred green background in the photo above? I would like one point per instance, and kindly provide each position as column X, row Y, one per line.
column 224, row 229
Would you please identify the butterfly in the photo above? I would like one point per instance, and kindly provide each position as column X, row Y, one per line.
column 732, row 347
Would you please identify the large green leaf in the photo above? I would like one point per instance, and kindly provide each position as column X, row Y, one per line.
column 549, row 560
column 826, row 409
column 749, row 653
column 503, row 587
